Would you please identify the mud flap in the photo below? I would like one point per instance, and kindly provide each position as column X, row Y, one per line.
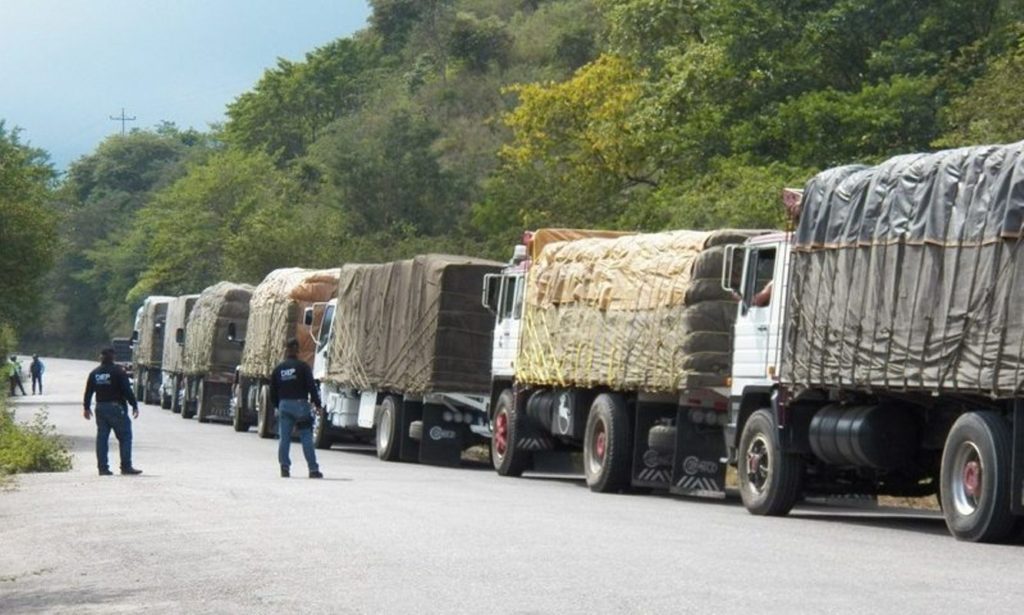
column 443, row 438
column 409, row 449
column 697, row 468
column 651, row 468
column 1017, row 459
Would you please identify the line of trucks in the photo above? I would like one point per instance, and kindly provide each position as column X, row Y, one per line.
column 875, row 348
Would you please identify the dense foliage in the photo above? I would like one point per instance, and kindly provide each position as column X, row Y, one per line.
column 452, row 125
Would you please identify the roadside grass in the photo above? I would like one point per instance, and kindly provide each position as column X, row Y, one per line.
column 29, row 447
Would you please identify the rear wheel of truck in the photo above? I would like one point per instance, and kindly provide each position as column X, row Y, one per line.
column 975, row 479
column 264, row 413
column 508, row 427
column 167, row 399
column 176, row 400
column 388, row 430
column 321, row 431
column 239, row 421
column 607, row 456
column 769, row 479
column 188, row 405
column 202, row 404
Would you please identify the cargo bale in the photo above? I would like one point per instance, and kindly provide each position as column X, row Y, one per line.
column 207, row 348
column 178, row 311
column 148, row 350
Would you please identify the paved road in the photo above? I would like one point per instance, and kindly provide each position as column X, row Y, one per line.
column 210, row 527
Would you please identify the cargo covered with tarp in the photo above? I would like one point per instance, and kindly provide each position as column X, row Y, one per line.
column 207, row 347
column 633, row 313
column 909, row 275
column 148, row 349
column 275, row 314
column 413, row 326
column 178, row 311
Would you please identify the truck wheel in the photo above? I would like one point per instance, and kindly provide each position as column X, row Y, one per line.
column 239, row 421
column 264, row 413
column 770, row 480
column 606, row 444
column 187, row 403
column 975, row 479
column 321, row 432
column 508, row 428
column 202, row 405
column 662, row 438
column 388, row 429
column 140, row 375
column 167, row 400
column 176, row 397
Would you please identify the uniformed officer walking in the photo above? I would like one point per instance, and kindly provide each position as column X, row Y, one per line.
column 291, row 388
column 114, row 394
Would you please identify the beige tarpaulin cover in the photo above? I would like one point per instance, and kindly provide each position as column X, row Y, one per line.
column 544, row 236
column 275, row 314
column 149, row 347
column 414, row 326
column 207, row 348
column 178, row 311
column 639, row 312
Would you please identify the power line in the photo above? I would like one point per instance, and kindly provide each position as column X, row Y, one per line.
column 122, row 119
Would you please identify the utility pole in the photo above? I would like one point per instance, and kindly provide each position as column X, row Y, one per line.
column 123, row 118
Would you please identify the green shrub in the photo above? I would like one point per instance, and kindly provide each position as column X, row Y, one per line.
column 31, row 447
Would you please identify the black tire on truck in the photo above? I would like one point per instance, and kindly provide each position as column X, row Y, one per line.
column 188, row 406
column 508, row 428
column 975, row 482
column 321, row 432
column 607, row 450
column 240, row 421
column 176, row 399
column 770, row 480
column 388, row 429
column 167, row 401
column 264, row 413
column 202, row 404
column 140, row 373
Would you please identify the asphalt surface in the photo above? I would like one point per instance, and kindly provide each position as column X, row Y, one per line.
column 211, row 527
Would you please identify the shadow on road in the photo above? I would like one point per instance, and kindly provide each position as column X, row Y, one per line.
column 891, row 519
column 57, row 599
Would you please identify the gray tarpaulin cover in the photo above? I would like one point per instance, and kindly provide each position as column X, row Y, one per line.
column 207, row 349
column 414, row 326
column 910, row 275
column 149, row 348
column 639, row 312
column 178, row 312
column 275, row 314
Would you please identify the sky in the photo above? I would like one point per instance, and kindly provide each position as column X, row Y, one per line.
column 66, row 66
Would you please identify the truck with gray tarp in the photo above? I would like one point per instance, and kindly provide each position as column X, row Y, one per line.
column 889, row 358
column 619, row 345
column 209, row 358
column 276, row 311
column 403, row 354
column 172, row 368
column 148, row 347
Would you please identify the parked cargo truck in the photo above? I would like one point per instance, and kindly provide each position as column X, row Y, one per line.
column 403, row 354
column 172, row 368
column 148, row 347
column 619, row 345
column 209, row 358
column 889, row 356
column 276, row 311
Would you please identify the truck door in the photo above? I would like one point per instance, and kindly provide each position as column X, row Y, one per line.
column 509, row 318
column 751, row 357
column 322, row 337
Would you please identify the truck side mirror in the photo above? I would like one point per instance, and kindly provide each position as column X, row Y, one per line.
column 307, row 317
column 179, row 336
column 492, row 288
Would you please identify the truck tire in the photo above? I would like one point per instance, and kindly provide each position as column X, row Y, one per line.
column 152, row 390
column 975, row 479
column 770, row 481
column 662, row 438
column 508, row 428
column 239, row 421
column 388, row 429
column 140, row 373
column 202, row 405
column 322, row 438
column 188, row 403
column 176, row 399
column 264, row 413
column 607, row 455
column 166, row 400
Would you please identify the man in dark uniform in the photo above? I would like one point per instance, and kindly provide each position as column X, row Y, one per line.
column 291, row 388
column 36, row 369
column 113, row 396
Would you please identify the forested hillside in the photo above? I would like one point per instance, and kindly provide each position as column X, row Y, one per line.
column 452, row 125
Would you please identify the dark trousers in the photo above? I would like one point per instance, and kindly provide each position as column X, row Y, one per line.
column 16, row 382
column 295, row 414
column 113, row 417
column 37, row 379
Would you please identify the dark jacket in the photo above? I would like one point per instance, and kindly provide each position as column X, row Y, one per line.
column 293, row 379
column 110, row 384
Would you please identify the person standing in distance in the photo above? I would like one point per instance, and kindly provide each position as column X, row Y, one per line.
column 36, row 369
column 291, row 388
column 113, row 396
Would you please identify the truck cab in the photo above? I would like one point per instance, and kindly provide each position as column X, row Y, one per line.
column 504, row 295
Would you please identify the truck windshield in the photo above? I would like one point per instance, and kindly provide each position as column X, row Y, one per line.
column 325, row 326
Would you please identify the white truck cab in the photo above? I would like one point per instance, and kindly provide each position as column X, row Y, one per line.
column 504, row 294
